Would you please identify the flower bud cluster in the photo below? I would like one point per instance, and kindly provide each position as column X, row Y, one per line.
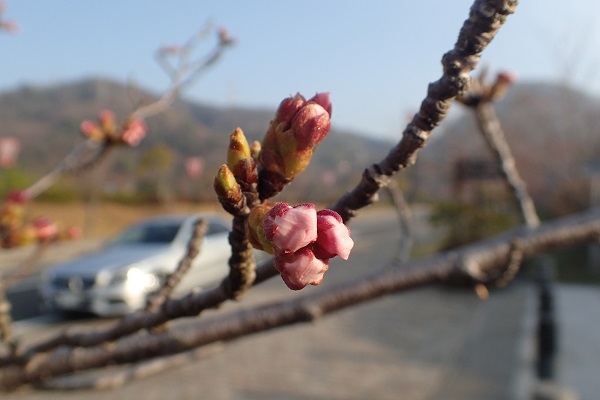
column 299, row 126
column 104, row 130
column 237, row 179
column 15, row 232
column 302, row 240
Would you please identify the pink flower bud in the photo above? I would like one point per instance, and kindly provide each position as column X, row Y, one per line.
column 133, row 132
column 107, row 120
column 310, row 125
column 45, row 228
column 301, row 268
column 287, row 110
column 333, row 237
column 74, row 232
column 9, row 26
column 507, row 77
column 291, row 228
column 322, row 99
column 92, row 130
column 17, row 196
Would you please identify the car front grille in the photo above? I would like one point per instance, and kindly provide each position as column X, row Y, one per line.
column 74, row 283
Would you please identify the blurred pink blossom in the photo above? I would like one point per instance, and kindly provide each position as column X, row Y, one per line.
column 17, row 196
column 45, row 228
column 134, row 132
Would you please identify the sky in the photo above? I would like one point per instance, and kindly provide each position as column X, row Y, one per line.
column 375, row 58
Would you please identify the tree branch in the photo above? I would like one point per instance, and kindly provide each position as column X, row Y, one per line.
column 485, row 18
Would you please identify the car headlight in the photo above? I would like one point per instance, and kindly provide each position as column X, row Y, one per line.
column 139, row 280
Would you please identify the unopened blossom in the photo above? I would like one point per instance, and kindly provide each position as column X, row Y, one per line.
column 17, row 196
column 302, row 240
column 298, row 127
column 133, row 132
column 240, row 160
column 92, row 130
column 228, row 190
column 504, row 80
column 45, row 228
column 333, row 236
column 301, row 268
column 291, row 228
column 310, row 126
column 9, row 26
column 107, row 121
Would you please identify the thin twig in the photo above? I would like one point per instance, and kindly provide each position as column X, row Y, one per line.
column 492, row 131
column 194, row 246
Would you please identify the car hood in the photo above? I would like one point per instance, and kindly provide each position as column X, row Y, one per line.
column 111, row 259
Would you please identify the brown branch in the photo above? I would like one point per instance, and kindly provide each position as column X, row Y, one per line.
column 242, row 268
column 492, row 131
column 404, row 220
column 485, row 18
column 194, row 246
column 484, row 257
column 83, row 156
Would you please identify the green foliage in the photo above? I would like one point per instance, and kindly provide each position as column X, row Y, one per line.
column 61, row 192
column 466, row 223
column 13, row 179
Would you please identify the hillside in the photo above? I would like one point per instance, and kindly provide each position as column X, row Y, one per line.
column 46, row 120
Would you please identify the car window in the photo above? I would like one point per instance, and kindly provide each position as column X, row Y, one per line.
column 215, row 227
column 148, row 233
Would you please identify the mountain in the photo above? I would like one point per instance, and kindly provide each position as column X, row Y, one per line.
column 46, row 120
column 554, row 134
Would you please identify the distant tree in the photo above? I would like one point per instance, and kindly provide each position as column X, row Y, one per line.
column 155, row 166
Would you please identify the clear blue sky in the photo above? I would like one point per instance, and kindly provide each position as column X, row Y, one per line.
column 376, row 57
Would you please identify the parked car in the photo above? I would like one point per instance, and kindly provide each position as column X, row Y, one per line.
column 117, row 279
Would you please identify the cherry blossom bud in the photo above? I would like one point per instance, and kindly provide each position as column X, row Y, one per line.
column 133, row 132
column 17, row 196
column 292, row 136
column 240, row 161
column 255, row 149
column 9, row 26
column 291, row 228
column 45, row 228
column 310, row 126
column 504, row 80
column 333, row 237
column 92, row 130
column 224, row 37
column 238, row 149
column 107, row 121
column 227, row 189
column 322, row 99
column 74, row 232
column 301, row 268
column 287, row 110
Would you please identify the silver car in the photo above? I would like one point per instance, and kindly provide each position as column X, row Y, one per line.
column 117, row 279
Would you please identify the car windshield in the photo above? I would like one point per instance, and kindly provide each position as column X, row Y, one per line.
column 148, row 233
